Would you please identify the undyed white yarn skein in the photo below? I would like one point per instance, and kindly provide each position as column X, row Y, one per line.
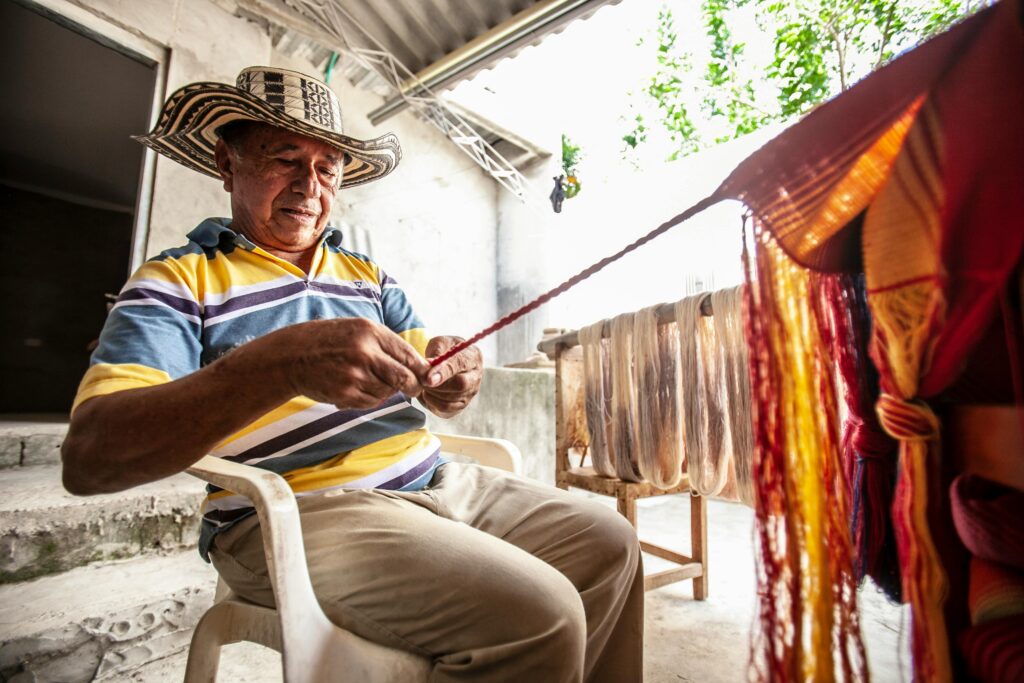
column 659, row 423
column 624, row 399
column 597, row 389
column 700, row 400
column 735, row 381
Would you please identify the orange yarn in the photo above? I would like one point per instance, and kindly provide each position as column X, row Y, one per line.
column 807, row 607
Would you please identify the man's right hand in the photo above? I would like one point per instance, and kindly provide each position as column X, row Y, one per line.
column 349, row 362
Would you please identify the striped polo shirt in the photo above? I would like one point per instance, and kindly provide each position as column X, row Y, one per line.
column 189, row 306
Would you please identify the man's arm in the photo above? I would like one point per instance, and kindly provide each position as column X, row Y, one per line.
column 135, row 436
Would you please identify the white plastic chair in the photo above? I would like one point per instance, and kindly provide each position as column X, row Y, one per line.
column 312, row 648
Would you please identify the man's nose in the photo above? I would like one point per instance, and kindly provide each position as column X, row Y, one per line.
column 306, row 182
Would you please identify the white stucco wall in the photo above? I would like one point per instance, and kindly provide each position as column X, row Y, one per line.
column 524, row 240
column 431, row 223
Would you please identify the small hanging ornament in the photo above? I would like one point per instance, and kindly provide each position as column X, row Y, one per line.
column 557, row 194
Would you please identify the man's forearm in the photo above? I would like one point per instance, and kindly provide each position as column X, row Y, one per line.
column 140, row 435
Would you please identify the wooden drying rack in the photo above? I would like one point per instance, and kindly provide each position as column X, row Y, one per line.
column 567, row 354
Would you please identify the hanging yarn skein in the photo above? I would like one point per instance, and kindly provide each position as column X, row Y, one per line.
column 700, row 399
column 661, row 395
column 632, row 399
column 597, row 390
column 734, row 378
column 624, row 400
column 659, row 417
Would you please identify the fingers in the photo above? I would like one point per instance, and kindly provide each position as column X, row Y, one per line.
column 458, row 385
column 438, row 345
column 468, row 360
column 452, row 384
column 395, row 376
column 443, row 408
column 354, row 363
column 402, row 351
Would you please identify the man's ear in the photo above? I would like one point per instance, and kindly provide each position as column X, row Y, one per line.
column 226, row 163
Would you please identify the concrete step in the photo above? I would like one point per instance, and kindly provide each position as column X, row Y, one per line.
column 45, row 530
column 101, row 621
column 27, row 440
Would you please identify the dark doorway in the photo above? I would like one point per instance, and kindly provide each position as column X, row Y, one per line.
column 69, row 176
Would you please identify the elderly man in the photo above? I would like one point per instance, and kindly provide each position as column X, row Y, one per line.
column 264, row 341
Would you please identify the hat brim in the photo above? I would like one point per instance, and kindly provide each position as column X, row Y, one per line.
column 187, row 132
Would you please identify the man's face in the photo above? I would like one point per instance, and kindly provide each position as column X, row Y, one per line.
column 282, row 186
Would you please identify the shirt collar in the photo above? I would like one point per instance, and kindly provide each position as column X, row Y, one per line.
column 332, row 235
column 214, row 231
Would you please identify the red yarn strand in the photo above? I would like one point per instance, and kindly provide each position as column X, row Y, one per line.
column 575, row 280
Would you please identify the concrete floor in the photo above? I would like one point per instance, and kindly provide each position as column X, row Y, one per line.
column 685, row 640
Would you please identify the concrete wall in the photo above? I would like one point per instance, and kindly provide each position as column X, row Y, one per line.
column 431, row 223
column 518, row 405
column 524, row 254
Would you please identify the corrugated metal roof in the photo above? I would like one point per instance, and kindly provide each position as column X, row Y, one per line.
column 421, row 33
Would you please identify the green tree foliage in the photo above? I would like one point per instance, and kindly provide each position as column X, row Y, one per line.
column 665, row 88
column 819, row 49
column 571, row 156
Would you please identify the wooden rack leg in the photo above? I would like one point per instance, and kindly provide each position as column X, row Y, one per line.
column 699, row 543
column 627, row 508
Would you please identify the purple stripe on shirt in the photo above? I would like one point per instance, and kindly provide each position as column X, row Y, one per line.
column 345, row 290
column 254, row 299
column 175, row 302
column 411, row 475
column 244, row 301
column 308, row 431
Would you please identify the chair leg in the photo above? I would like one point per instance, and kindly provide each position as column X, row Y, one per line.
column 203, row 655
column 699, row 543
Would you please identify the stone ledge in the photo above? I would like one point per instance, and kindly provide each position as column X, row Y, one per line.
column 95, row 622
column 45, row 530
column 31, row 439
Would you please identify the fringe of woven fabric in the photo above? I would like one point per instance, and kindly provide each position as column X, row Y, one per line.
column 808, row 626
column 597, row 391
column 659, row 418
column 701, row 399
column 868, row 453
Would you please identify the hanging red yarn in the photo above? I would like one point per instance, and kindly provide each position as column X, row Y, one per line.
column 868, row 453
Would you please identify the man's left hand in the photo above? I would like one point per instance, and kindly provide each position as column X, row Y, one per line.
column 452, row 385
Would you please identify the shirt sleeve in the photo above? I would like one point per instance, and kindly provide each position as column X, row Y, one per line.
column 399, row 315
column 151, row 336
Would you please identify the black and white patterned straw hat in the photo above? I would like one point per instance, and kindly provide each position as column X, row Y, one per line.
column 187, row 128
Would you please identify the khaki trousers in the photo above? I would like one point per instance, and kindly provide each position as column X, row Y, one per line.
column 492, row 577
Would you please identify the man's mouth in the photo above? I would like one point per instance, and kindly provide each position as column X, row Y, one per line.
column 299, row 213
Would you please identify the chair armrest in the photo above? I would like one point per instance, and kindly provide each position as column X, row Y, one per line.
column 282, row 536
column 498, row 453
